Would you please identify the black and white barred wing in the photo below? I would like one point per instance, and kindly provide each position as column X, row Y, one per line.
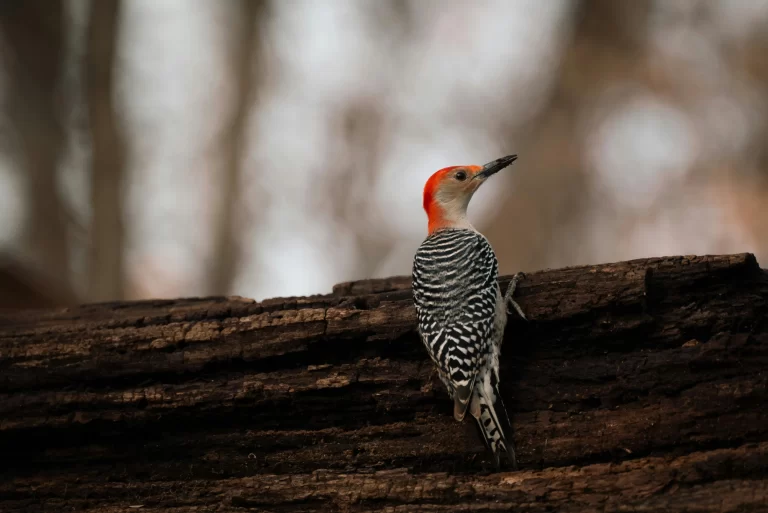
column 458, row 351
column 455, row 293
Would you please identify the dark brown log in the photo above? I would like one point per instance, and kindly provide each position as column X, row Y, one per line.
column 635, row 385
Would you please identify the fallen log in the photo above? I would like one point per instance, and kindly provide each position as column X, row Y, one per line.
column 638, row 384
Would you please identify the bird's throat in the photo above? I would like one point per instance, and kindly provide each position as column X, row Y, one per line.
column 447, row 216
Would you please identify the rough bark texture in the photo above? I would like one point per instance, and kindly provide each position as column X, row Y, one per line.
column 638, row 385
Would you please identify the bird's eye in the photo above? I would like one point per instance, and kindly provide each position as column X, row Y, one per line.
column 461, row 176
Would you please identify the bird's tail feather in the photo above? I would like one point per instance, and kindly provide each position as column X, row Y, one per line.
column 490, row 428
column 500, row 402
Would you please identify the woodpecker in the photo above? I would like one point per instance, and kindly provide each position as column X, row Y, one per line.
column 460, row 309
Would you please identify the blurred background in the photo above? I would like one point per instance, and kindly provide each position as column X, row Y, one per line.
column 165, row 148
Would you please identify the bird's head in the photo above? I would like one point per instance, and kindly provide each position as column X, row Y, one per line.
column 448, row 191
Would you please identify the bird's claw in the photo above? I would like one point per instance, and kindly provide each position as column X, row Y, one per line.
column 508, row 299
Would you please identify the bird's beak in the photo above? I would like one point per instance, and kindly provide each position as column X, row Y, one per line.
column 494, row 167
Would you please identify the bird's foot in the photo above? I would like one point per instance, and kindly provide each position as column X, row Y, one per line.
column 508, row 297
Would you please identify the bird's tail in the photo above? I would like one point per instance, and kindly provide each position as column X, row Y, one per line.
column 492, row 431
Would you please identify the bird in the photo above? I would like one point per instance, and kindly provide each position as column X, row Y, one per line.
column 461, row 312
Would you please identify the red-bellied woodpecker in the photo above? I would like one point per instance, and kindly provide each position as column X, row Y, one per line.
column 461, row 311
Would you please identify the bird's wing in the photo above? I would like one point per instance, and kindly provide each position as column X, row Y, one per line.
column 459, row 350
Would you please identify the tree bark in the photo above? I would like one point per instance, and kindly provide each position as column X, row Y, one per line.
column 634, row 385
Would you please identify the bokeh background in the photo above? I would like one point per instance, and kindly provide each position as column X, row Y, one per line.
column 165, row 148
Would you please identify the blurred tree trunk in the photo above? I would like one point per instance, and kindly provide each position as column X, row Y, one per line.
column 244, row 62
column 105, row 271
column 357, row 148
column 360, row 138
column 23, row 287
column 544, row 229
column 34, row 39
column 742, row 184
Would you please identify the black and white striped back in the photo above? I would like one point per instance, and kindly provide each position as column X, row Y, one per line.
column 455, row 292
